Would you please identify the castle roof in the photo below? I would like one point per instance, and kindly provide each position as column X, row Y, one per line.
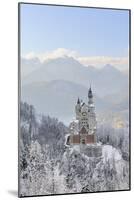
column 84, row 108
column 90, row 95
column 78, row 101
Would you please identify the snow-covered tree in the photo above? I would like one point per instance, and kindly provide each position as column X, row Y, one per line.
column 47, row 166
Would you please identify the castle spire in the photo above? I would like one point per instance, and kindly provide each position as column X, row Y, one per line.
column 78, row 101
column 90, row 95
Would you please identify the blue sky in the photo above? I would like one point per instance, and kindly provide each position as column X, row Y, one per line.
column 91, row 32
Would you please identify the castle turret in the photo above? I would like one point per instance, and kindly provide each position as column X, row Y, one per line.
column 92, row 116
column 90, row 101
column 90, row 96
column 78, row 101
column 77, row 109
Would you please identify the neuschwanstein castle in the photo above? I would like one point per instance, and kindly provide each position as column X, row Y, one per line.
column 83, row 128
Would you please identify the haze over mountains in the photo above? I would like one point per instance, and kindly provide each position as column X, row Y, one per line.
column 54, row 86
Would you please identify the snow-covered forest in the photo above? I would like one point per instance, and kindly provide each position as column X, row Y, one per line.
column 47, row 166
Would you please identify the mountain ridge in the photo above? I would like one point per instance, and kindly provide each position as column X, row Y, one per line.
column 106, row 80
column 58, row 98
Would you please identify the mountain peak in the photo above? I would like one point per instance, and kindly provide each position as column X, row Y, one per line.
column 109, row 67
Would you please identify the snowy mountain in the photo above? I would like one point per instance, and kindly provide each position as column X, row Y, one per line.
column 29, row 65
column 106, row 80
column 58, row 98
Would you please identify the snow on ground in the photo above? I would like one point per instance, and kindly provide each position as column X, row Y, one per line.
column 113, row 155
column 76, row 148
column 109, row 152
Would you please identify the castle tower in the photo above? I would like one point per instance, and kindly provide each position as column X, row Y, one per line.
column 90, row 96
column 92, row 116
column 77, row 109
column 90, row 101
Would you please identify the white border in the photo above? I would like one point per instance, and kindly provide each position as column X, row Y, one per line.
column 9, row 104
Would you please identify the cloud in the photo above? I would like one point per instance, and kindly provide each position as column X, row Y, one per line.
column 120, row 63
column 100, row 61
column 60, row 52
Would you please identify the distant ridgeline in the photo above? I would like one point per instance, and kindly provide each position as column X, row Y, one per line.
column 82, row 130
